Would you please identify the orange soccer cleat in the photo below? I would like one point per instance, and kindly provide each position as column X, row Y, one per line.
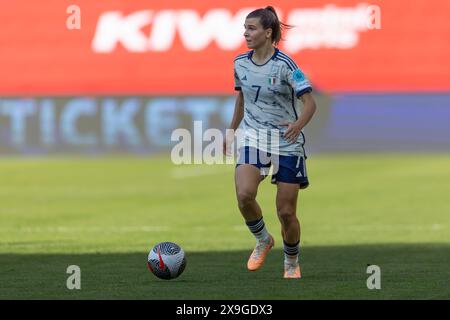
column 259, row 254
column 292, row 271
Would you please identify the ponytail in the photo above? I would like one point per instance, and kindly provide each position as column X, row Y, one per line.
column 269, row 19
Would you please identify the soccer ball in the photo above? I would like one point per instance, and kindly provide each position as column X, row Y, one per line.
column 166, row 260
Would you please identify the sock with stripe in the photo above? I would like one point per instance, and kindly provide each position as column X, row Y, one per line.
column 258, row 228
column 291, row 252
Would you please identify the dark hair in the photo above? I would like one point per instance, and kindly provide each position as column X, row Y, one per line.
column 269, row 19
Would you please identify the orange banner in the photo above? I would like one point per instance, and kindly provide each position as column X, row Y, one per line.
column 187, row 47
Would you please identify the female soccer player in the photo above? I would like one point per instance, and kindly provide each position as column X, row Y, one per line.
column 269, row 84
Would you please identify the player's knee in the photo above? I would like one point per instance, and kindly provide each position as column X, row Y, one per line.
column 245, row 198
column 286, row 215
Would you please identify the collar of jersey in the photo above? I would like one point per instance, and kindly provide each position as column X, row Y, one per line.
column 250, row 54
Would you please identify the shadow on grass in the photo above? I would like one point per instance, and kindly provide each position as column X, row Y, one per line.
column 408, row 271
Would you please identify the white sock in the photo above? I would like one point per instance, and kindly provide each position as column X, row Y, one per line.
column 258, row 228
column 291, row 252
column 290, row 260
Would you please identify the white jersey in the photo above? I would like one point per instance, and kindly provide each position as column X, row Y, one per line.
column 270, row 98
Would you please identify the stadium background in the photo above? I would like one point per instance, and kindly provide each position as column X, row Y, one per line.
column 86, row 117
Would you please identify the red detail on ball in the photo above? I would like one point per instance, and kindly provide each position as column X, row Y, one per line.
column 161, row 262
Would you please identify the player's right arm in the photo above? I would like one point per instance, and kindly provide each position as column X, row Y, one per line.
column 238, row 111
column 235, row 122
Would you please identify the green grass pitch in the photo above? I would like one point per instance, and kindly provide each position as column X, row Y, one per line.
column 104, row 215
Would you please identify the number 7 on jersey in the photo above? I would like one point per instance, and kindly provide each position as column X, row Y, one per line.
column 257, row 92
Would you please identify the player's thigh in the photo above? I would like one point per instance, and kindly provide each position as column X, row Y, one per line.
column 247, row 179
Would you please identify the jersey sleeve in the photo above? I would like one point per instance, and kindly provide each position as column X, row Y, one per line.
column 298, row 81
column 237, row 81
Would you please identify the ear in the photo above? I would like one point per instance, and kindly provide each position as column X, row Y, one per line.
column 269, row 33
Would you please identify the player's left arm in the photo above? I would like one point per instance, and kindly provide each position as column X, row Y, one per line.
column 295, row 128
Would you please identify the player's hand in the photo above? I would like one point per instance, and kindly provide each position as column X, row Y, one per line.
column 292, row 132
column 227, row 142
column 226, row 147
